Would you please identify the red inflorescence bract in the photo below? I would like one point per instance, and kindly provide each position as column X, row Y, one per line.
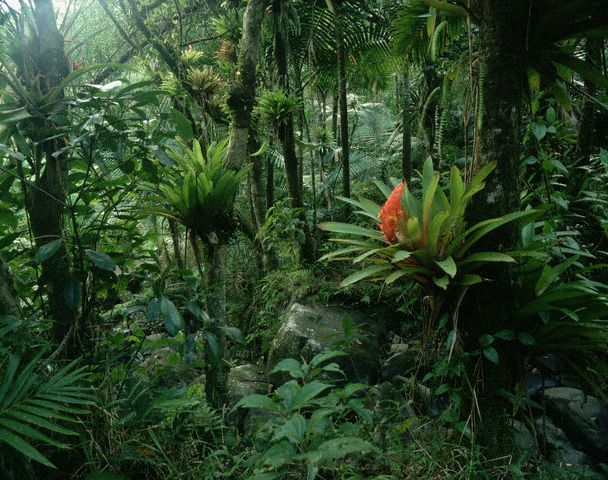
column 390, row 213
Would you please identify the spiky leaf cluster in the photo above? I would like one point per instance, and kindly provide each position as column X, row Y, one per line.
column 274, row 107
column 198, row 190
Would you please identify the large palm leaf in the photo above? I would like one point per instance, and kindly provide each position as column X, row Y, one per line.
column 34, row 409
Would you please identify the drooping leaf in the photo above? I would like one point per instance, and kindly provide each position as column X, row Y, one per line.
column 101, row 260
column 48, row 250
column 172, row 318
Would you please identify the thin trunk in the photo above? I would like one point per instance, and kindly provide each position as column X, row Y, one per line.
column 406, row 155
column 269, row 183
column 334, row 117
column 587, row 138
column 287, row 138
column 175, row 240
column 259, row 208
column 344, row 140
column 216, row 373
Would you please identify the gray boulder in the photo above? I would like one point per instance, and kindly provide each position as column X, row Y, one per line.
column 583, row 418
column 245, row 380
column 402, row 359
column 310, row 329
column 559, row 451
column 523, row 439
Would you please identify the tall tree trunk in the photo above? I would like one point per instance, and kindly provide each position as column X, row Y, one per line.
column 489, row 307
column 344, row 140
column 241, row 100
column 269, row 183
column 406, row 155
column 175, row 241
column 258, row 201
column 287, row 137
column 587, row 138
column 334, row 116
column 216, row 372
column 47, row 198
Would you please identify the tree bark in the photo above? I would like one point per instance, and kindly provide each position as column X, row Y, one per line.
column 587, row 138
column 216, row 372
column 8, row 296
column 287, row 137
column 47, row 199
column 406, row 155
column 490, row 306
column 344, row 140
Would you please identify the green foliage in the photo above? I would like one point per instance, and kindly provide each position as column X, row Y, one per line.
column 199, row 190
column 35, row 409
column 310, row 424
column 433, row 239
column 275, row 107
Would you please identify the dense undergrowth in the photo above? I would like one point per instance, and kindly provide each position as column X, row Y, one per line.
column 284, row 240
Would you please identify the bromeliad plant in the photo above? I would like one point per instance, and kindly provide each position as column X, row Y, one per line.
column 199, row 191
column 425, row 239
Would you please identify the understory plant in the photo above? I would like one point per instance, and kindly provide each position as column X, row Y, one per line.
column 198, row 191
column 310, row 423
column 425, row 239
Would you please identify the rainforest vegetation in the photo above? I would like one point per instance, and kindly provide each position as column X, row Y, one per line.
column 303, row 239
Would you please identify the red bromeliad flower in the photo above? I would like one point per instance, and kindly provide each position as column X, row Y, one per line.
column 390, row 213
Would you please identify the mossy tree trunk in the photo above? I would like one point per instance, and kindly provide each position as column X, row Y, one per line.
column 8, row 296
column 241, row 100
column 490, row 306
column 216, row 371
column 343, row 106
column 287, row 136
column 48, row 195
column 406, row 154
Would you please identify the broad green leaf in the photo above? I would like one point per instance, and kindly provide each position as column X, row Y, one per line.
column 486, row 340
column 526, row 339
column 401, row 255
column 183, row 127
column 72, row 293
column 539, row 130
column 487, row 257
column 256, row 401
column 324, row 357
column 349, row 229
column 172, row 318
column 307, row 393
column 152, row 310
column 293, row 429
column 442, row 282
column 48, row 250
column 337, row 448
column 101, row 260
column 374, row 270
column 491, row 354
column 214, row 347
column 290, row 365
column 234, row 333
column 448, row 266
